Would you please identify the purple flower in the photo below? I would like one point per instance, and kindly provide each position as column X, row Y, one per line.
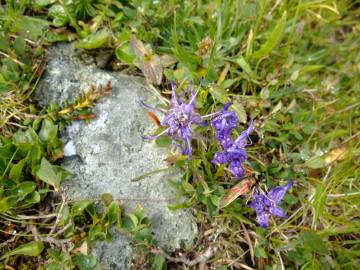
column 223, row 125
column 233, row 150
column 266, row 205
column 179, row 120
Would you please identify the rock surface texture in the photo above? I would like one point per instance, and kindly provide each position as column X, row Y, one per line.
column 105, row 154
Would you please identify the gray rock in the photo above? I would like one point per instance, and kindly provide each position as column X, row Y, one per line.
column 116, row 254
column 105, row 154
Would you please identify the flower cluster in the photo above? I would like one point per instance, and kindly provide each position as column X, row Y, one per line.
column 267, row 204
column 179, row 120
column 233, row 150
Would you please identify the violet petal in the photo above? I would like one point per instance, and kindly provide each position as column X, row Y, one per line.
column 277, row 211
column 277, row 194
column 263, row 219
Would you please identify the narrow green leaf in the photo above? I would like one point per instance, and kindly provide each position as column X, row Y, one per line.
column 16, row 170
column 28, row 249
column 246, row 67
column 94, row 40
column 125, row 54
column 4, row 84
column 48, row 131
column 32, row 136
column 10, row 70
column 186, row 58
column 58, row 14
column 4, row 43
column 85, row 262
column 319, row 202
column 114, row 214
column 128, row 223
column 158, row 262
column 20, row 45
column 43, row 3
column 273, row 40
column 215, row 200
column 219, row 93
column 47, row 174
column 141, row 177
column 314, row 242
column 188, row 187
column 260, row 252
column 240, row 111
column 34, row 157
column 31, row 27
column 107, row 198
column 144, row 235
column 211, row 70
column 79, row 207
column 33, row 198
column 315, row 163
column 174, row 207
column 96, row 232
column 134, row 219
column 277, row 108
column 163, row 141
column 7, row 151
column 5, row 204
column 23, row 189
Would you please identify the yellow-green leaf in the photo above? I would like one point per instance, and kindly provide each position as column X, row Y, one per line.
column 94, row 40
column 219, row 93
column 48, row 131
column 246, row 67
column 16, row 170
column 240, row 111
column 80, row 206
column 273, row 40
column 47, row 174
column 28, row 249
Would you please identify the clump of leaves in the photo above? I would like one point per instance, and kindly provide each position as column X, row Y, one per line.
column 21, row 66
column 28, row 178
column 37, row 219
column 36, row 213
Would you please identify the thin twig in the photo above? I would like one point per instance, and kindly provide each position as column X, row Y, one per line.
column 245, row 266
column 26, row 39
column 350, row 138
column 56, row 242
column 251, row 248
column 23, row 217
column 343, row 195
column 34, row 232
column 281, row 261
column 158, row 95
column 13, row 59
column 59, row 232
column 3, row 244
column 285, row 221
column 141, row 177
column 48, row 239
column 59, row 214
column 236, row 261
